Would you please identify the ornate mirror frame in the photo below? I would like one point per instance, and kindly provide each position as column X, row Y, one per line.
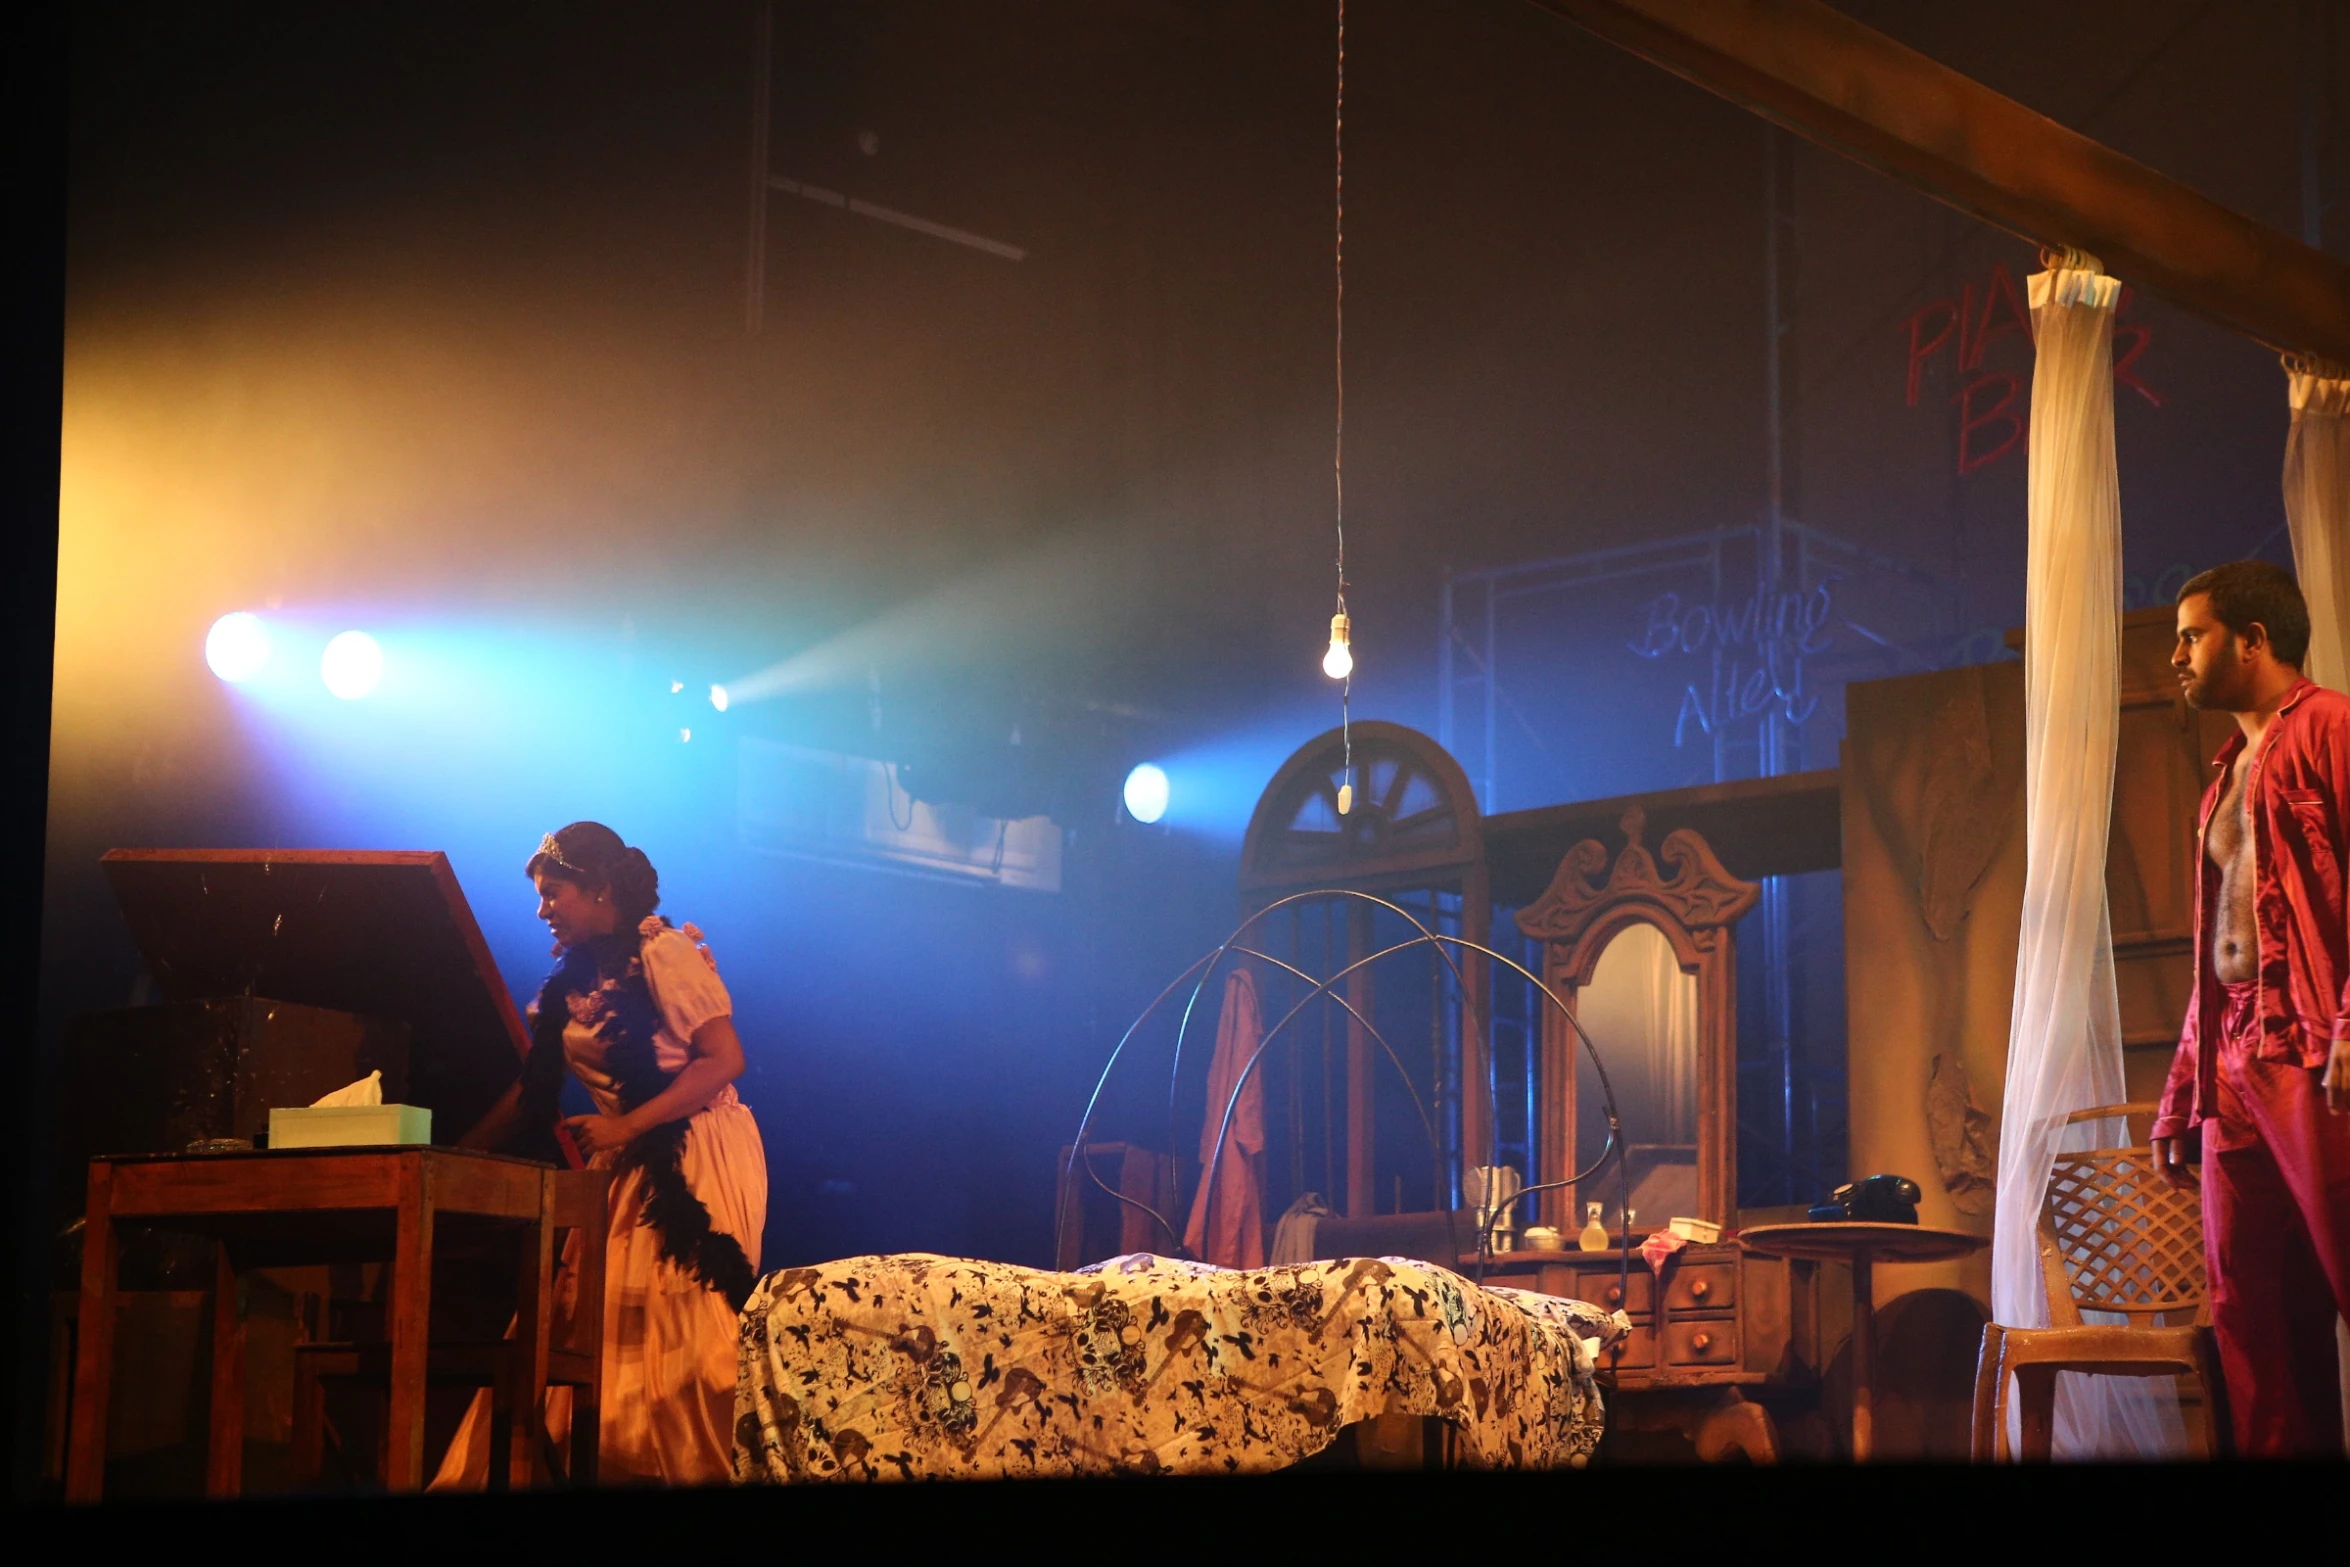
column 1695, row 906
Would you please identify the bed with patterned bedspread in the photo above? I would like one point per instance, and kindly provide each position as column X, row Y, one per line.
column 924, row 1367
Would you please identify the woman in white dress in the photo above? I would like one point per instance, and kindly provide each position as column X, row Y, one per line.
column 635, row 1010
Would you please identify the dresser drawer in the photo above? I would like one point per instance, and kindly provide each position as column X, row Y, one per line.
column 1702, row 1343
column 1702, row 1286
column 1605, row 1288
column 1635, row 1351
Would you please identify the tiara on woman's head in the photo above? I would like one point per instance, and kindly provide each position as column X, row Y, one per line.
column 549, row 849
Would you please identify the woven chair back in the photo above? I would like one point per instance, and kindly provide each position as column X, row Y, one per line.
column 2127, row 1241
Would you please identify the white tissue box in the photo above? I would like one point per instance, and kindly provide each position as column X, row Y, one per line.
column 350, row 1126
column 1703, row 1231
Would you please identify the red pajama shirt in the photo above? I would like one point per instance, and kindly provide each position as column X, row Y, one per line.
column 2247, row 1077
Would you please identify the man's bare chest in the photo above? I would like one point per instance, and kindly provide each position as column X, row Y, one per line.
column 2228, row 837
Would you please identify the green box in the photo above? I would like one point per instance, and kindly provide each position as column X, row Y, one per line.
column 350, row 1126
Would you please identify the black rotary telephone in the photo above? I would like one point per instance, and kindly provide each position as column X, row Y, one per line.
column 1873, row 1199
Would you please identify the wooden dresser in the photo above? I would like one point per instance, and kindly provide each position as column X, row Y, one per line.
column 1718, row 1326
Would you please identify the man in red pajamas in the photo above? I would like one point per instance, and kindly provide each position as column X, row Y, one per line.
column 2262, row 1074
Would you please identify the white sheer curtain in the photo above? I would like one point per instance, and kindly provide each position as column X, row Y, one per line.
column 2317, row 511
column 2064, row 1043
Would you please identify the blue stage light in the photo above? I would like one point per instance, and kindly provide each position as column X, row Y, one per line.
column 352, row 665
column 237, row 646
column 1146, row 794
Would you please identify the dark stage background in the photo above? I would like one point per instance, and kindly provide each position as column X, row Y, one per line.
column 431, row 319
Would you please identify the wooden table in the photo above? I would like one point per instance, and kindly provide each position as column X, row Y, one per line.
column 1862, row 1245
column 310, row 1206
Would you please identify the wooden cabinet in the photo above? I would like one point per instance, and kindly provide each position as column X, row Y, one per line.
column 1726, row 1319
column 1715, row 1327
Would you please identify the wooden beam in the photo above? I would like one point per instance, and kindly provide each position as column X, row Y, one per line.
column 1758, row 827
column 1827, row 78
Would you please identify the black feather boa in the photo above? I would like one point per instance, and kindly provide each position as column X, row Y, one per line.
column 609, row 965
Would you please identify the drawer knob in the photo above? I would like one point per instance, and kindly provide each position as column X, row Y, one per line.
column 1701, row 1342
column 1615, row 1294
column 1700, row 1290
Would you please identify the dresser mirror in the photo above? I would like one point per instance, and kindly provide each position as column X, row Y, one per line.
column 1638, row 945
column 1642, row 1007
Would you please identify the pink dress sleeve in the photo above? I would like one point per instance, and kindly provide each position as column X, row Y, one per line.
column 684, row 985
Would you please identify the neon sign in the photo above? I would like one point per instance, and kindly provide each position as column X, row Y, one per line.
column 1992, row 419
column 1760, row 644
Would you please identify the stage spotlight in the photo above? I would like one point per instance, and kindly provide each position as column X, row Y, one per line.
column 1146, row 794
column 352, row 665
column 237, row 646
column 718, row 698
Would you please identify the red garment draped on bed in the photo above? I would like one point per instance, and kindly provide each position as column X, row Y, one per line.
column 1227, row 1224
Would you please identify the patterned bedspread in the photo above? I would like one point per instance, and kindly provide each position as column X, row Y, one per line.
column 923, row 1367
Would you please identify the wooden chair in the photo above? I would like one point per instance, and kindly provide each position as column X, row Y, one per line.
column 575, row 1356
column 2113, row 1238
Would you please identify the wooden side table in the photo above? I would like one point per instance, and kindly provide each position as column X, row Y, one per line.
column 316, row 1205
column 1708, row 1330
column 1862, row 1245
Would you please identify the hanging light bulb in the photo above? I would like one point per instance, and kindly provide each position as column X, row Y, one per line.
column 1339, row 662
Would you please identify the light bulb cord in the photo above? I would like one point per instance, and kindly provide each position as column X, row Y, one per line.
column 1338, row 369
column 1338, row 270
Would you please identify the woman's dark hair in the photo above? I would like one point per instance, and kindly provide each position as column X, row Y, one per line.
column 591, row 855
column 2243, row 592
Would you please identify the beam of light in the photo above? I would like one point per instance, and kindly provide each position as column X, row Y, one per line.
column 904, row 220
column 493, row 706
column 1073, row 591
column 1216, row 780
column 352, row 666
column 1146, row 794
column 237, row 646
column 718, row 698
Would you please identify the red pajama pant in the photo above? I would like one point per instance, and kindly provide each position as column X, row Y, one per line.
column 2276, row 1233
